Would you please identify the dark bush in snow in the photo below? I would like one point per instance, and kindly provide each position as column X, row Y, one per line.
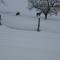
column 18, row 13
column 38, row 13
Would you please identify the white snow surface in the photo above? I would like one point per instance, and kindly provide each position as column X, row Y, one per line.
column 19, row 39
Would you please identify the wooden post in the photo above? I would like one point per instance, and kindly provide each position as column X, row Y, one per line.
column 38, row 29
column 0, row 19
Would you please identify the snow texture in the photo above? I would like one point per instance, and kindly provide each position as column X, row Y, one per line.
column 19, row 39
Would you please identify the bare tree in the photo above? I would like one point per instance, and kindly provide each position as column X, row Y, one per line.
column 45, row 6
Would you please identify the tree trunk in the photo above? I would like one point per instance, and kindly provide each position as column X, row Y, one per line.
column 45, row 16
column 38, row 29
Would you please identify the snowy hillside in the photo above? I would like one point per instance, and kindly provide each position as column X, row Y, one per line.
column 19, row 39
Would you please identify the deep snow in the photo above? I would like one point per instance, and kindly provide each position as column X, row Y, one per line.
column 19, row 39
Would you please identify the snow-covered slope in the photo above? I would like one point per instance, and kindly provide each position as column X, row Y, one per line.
column 29, row 45
column 16, row 5
column 25, row 45
column 20, row 22
column 21, row 44
column 13, row 6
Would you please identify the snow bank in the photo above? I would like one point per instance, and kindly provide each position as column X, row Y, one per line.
column 20, row 22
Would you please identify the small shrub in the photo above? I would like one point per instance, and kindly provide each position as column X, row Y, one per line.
column 18, row 13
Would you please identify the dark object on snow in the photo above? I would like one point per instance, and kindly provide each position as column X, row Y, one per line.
column 18, row 13
column 0, row 20
column 38, row 14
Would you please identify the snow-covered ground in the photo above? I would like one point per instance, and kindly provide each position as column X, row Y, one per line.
column 19, row 39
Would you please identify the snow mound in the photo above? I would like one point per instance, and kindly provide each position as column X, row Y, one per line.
column 20, row 22
column 30, row 22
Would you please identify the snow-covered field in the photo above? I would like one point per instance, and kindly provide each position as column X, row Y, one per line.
column 19, row 39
